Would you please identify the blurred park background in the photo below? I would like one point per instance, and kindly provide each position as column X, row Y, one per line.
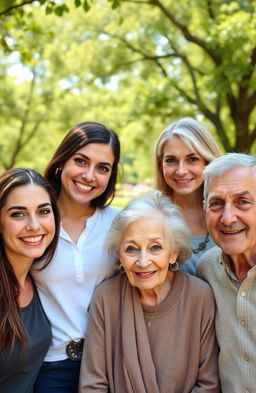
column 133, row 65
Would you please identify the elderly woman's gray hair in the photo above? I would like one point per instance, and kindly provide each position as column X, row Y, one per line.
column 143, row 206
column 225, row 163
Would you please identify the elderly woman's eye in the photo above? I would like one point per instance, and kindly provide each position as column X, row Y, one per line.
column 131, row 250
column 156, row 248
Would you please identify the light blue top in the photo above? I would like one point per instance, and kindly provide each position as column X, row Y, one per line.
column 190, row 265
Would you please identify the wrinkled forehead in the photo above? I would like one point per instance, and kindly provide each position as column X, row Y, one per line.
column 233, row 182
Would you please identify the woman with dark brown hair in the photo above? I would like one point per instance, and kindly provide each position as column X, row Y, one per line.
column 29, row 228
column 83, row 171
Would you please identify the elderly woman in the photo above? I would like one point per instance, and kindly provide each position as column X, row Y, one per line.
column 151, row 327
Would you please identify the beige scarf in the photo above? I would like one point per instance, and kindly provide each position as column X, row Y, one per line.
column 138, row 368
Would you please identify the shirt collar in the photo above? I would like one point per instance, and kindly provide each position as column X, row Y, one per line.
column 226, row 262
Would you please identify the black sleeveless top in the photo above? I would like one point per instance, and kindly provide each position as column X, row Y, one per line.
column 19, row 371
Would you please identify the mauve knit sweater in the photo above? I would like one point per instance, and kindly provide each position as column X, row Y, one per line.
column 177, row 353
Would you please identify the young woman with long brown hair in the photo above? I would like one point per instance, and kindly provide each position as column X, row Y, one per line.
column 83, row 171
column 29, row 228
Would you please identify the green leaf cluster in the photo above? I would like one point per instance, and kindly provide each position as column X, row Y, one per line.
column 135, row 66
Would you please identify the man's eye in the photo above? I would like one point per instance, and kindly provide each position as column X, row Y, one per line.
column 216, row 204
column 244, row 203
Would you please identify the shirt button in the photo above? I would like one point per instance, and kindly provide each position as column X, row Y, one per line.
column 243, row 294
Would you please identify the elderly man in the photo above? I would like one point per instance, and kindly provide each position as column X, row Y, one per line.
column 230, row 268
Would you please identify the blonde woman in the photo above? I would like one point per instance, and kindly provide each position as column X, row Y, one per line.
column 182, row 151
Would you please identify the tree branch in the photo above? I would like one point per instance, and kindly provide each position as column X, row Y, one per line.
column 246, row 78
column 200, row 72
column 213, row 117
column 209, row 9
column 251, row 101
column 186, row 33
column 191, row 71
column 13, row 7
column 144, row 55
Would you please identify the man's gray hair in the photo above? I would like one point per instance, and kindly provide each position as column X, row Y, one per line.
column 225, row 163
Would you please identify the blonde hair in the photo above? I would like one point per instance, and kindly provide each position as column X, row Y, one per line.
column 194, row 135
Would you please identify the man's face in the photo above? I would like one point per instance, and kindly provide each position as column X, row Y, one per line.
column 230, row 211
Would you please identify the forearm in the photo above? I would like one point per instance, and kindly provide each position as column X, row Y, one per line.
column 93, row 374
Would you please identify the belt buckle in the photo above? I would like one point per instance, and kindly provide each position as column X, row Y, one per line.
column 74, row 349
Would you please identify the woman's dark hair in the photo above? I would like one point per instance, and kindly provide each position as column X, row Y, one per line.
column 79, row 136
column 11, row 325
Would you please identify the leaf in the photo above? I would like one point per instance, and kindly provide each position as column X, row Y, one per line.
column 86, row 6
column 48, row 10
column 65, row 8
column 78, row 3
column 58, row 10
column 5, row 44
column 115, row 4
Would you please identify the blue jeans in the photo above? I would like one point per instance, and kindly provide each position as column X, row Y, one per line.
column 61, row 376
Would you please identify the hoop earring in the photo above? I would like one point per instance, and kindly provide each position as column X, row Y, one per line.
column 120, row 268
column 57, row 172
column 173, row 266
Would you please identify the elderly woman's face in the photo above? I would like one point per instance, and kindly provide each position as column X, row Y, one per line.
column 146, row 250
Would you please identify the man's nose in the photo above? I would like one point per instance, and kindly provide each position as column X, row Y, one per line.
column 228, row 215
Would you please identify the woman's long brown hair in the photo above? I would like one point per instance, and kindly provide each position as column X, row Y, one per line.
column 11, row 325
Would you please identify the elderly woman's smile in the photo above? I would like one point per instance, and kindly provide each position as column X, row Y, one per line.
column 146, row 250
column 145, row 275
column 140, row 319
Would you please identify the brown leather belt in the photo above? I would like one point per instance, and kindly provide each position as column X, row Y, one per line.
column 74, row 349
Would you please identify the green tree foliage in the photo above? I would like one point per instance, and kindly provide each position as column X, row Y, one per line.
column 135, row 67
column 60, row 90
column 203, row 50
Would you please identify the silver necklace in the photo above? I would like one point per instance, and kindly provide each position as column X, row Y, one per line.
column 149, row 319
column 201, row 245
